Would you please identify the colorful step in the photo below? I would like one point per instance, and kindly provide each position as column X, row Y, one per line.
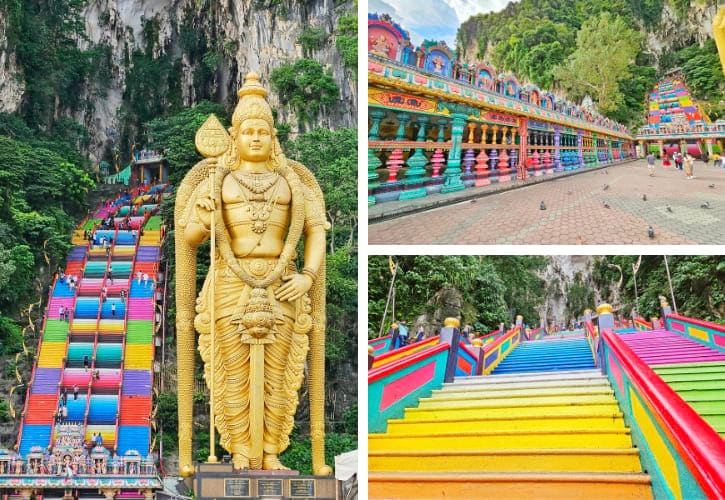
column 702, row 385
column 540, row 435
column 550, row 355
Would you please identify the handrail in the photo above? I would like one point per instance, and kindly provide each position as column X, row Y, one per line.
column 703, row 449
column 370, row 341
column 698, row 322
column 416, row 346
column 29, row 387
column 643, row 322
column 591, row 335
column 493, row 345
column 378, row 373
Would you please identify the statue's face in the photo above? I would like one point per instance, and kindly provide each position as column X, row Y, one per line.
column 255, row 140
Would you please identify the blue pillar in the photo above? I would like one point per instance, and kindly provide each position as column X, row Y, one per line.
column 453, row 181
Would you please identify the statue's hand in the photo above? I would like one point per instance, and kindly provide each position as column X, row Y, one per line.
column 296, row 285
column 204, row 207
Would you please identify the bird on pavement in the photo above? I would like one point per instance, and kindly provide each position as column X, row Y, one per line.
column 669, row 208
column 542, row 206
column 606, row 205
column 651, row 232
column 606, row 186
column 711, row 185
column 644, row 197
column 705, row 205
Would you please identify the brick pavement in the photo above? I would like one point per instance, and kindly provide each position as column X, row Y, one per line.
column 576, row 213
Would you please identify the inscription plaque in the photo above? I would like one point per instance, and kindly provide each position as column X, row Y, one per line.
column 269, row 487
column 236, row 488
column 302, row 488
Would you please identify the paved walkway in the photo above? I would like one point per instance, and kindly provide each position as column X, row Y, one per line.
column 576, row 212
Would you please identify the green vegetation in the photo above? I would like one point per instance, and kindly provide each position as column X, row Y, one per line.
column 605, row 47
column 306, row 86
column 492, row 289
column 698, row 283
column 347, row 40
column 312, row 38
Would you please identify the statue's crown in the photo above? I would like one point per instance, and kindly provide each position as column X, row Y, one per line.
column 252, row 102
column 252, row 86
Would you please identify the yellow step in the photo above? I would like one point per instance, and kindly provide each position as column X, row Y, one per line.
column 503, row 411
column 534, row 460
column 51, row 354
column 612, row 421
column 84, row 325
column 525, row 439
column 521, row 393
column 524, row 486
column 519, row 385
column 497, row 402
column 138, row 357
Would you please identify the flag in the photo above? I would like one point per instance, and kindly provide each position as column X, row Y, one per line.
column 393, row 265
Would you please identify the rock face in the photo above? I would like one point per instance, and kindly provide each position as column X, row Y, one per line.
column 558, row 275
column 11, row 79
column 247, row 34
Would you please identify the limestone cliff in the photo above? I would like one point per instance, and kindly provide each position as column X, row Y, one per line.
column 239, row 36
column 11, row 79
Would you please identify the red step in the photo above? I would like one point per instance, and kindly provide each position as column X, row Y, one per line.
column 41, row 408
column 135, row 410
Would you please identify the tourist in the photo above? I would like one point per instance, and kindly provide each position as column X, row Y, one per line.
column 64, row 395
column 123, row 296
column 420, row 334
column 113, row 309
column 110, row 273
column 96, row 374
column 689, row 166
column 139, row 275
column 679, row 160
column 716, row 160
column 145, row 279
column 651, row 164
column 666, row 160
column 705, row 158
column 403, row 327
column 86, row 362
column 64, row 413
column 76, row 390
column 61, row 312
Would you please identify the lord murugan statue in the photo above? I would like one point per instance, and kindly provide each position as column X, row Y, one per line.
column 256, row 316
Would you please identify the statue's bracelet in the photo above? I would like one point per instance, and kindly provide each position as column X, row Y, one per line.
column 309, row 272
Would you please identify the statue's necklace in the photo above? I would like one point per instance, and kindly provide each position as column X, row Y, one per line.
column 257, row 183
column 260, row 208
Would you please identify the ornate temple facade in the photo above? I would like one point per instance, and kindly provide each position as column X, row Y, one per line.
column 675, row 122
column 436, row 124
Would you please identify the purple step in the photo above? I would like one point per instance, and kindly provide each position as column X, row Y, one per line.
column 662, row 347
column 46, row 381
column 136, row 383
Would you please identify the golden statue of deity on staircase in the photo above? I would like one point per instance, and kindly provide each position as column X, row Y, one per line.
column 257, row 315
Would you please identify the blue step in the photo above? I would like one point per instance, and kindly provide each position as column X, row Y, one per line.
column 76, row 407
column 103, row 409
column 548, row 356
column 133, row 437
column 140, row 291
column 34, row 435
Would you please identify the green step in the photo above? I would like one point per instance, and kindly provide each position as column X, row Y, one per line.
column 108, row 352
column 153, row 222
column 139, row 332
column 55, row 330
column 90, row 223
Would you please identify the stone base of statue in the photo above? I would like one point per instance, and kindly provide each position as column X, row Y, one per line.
column 219, row 481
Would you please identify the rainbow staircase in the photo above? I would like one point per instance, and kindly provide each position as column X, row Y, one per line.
column 113, row 337
column 536, row 428
column 694, row 371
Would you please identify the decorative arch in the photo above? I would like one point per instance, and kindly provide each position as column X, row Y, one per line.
column 438, row 59
column 510, row 86
column 485, row 77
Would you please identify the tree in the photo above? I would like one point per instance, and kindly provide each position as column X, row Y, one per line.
column 606, row 47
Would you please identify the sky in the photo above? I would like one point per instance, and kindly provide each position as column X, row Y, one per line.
column 434, row 19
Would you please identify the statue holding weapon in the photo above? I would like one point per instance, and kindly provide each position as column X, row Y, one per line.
column 257, row 315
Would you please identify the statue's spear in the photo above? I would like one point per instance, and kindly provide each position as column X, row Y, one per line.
column 212, row 141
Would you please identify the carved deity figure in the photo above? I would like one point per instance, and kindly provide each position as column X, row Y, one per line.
column 438, row 64
column 266, row 313
column 380, row 45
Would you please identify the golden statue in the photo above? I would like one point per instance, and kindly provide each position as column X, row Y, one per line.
column 718, row 33
column 257, row 316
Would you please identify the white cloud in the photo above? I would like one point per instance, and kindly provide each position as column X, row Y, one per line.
column 434, row 19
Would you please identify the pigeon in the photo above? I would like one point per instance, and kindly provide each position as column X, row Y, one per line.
column 542, row 206
column 711, row 185
column 650, row 232
column 569, row 192
column 605, row 172
column 705, row 205
column 669, row 209
column 644, row 197
column 606, row 205
column 606, row 186
column 474, row 200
